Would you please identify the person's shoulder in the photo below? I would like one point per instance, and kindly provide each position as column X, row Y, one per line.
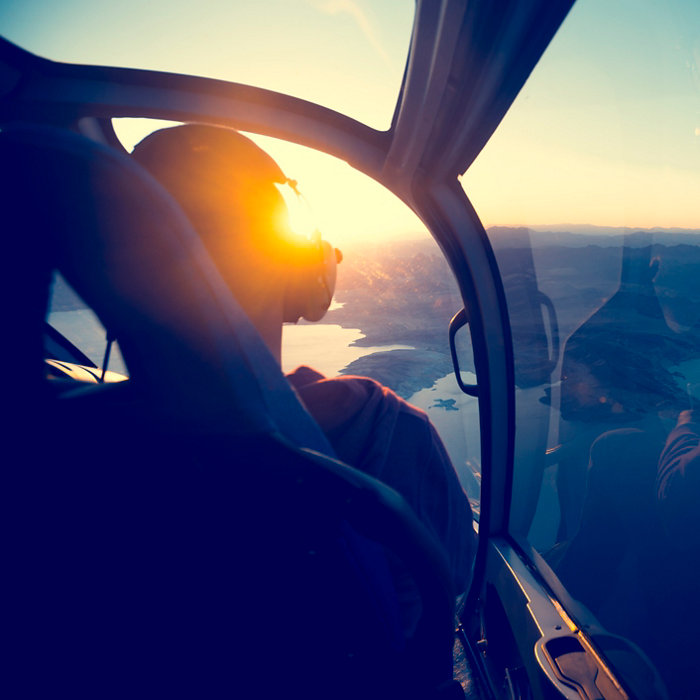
column 304, row 376
column 307, row 380
column 336, row 401
column 349, row 393
column 405, row 410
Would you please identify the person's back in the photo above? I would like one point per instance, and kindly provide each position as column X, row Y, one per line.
column 228, row 187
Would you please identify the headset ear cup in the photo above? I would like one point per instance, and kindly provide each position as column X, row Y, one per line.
column 310, row 289
column 321, row 283
column 294, row 298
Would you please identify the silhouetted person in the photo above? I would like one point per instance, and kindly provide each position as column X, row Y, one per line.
column 678, row 484
column 228, row 188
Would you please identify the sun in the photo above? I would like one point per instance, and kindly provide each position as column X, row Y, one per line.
column 344, row 204
column 347, row 206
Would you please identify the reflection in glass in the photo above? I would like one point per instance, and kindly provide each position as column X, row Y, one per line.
column 591, row 487
column 535, row 332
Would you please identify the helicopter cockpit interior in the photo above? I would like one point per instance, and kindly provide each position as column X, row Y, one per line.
column 512, row 186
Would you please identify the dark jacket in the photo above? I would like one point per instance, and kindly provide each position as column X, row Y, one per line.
column 374, row 430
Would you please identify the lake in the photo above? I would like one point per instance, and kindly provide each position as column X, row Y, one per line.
column 329, row 348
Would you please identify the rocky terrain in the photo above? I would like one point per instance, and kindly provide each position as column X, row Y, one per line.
column 404, row 371
column 399, row 294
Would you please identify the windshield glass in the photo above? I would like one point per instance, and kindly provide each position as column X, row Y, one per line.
column 76, row 321
column 589, row 192
column 348, row 56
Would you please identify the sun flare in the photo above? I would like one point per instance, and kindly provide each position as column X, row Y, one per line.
column 345, row 205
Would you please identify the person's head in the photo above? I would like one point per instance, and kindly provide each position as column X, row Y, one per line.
column 228, row 188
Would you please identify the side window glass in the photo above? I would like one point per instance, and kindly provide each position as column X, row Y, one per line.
column 73, row 319
column 605, row 314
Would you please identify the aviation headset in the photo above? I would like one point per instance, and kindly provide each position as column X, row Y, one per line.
column 311, row 287
column 179, row 155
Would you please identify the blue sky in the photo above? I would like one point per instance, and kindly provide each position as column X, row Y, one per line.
column 607, row 129
column 606, row 132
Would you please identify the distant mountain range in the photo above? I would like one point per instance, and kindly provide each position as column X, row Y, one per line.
column 403, row 292
column 577, row 235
